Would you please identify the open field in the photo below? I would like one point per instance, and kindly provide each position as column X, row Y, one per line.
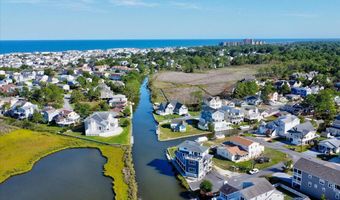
column 21, row 149
column 167, row 134
column 181, row 86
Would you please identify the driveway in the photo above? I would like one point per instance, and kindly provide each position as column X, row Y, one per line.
column 67, row 105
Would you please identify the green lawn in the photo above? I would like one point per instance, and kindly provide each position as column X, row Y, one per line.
column 195, row 113
column 274, row 155
column 123, row 138
column 167, row 134
column 171, row 151
column 160, row 118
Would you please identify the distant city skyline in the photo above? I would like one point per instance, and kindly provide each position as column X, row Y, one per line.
column 168, row 19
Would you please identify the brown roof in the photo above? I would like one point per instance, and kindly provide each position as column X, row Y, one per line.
column 241, row 140
column 235, row 150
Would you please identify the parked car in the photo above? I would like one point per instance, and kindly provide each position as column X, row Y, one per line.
column 254, row 171
column 261, row 160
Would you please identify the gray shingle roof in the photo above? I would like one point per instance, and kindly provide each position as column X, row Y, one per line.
column 259, row 186
column 100, row 117
column 331, row 143
column 303, row 128
column 321, row 169
column 193, row 146
column 228, row 189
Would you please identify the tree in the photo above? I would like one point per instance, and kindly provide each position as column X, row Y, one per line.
column 83, row 109
column 103, row 106
column 245, row 88
column 125, row 122
column 126, row 111
column 206, row 186
column 285, row 89
column 77, row 96
column 37, row 117
column 266, row 91
column 288, row 164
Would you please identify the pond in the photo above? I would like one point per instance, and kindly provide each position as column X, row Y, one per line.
column 68, row 174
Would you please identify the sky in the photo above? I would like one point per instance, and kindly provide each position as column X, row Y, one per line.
column 168, row 19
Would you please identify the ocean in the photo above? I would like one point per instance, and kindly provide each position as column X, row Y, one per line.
column 13, row 46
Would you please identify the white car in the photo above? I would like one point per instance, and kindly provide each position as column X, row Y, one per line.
column 254, row 171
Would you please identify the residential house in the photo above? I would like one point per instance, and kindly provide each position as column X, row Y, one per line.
column 193, row 159
column 233, row 115
column 329, row 146
column 302, row 134
column 172, row 107
column 23, row 109
column 118, row 100
column 178, row 125
column 67, row 118
column 253, row 100
column 103, row 124
column 317, row 178
column 6, row 103
column 304, row 91
column 279, row 127
column 105, row 91
column 215, row 118
column 334, row 129
column 213, row 102
column 239, row 149
column 252, row 114
column 101, row 68
column 250, row 189
column 308, row 76
column 49, row 114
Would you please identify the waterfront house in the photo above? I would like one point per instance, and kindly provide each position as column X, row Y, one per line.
column 329, row 146
column 214, row 118
column 178, row 125
column 102, row 124
column 118, row 100
column 316, row 178
column 172, row 107
column 193, row 159
column 250, row 189
column 334, row 129
column 67, row 118
column 302, row 134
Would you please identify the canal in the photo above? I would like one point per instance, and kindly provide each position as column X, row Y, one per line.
column 154, row 174
column 75, row 174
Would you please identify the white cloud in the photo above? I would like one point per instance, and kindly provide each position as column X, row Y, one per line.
column 134, row 3
column 185, row 5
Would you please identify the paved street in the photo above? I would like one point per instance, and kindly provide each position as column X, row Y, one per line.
column 67, row 105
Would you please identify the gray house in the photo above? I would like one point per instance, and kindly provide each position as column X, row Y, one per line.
column 254, row 188
column 329, row 146
column 316, row 178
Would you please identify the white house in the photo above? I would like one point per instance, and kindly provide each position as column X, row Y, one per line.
column 302, row 134
column 118, row 100
column 252, row 114
column 213, row 102
column 239, row 149
column 285, row 123
column 172, row 107
column 233, row 115
column 23, row 109
column 215, row 118
column 49, row 114
column 66, row 118
column 102, row 124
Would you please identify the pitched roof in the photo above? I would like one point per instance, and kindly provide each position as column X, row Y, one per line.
column 100, row 117
column 241, row 140
column 192, row 146
column 331, row 143
column 257, row 187
column 235, row 150
column 321, row 169
column 303, row 128
column 228, row 189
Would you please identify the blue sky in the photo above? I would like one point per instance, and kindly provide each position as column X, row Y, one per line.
column 172, row 19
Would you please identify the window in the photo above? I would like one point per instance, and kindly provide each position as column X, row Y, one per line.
column 322, row 182
column 330, row 185
column 191, row 162
column 337, row 196
column 309, row 184
column 310, row 176
column 191, row 170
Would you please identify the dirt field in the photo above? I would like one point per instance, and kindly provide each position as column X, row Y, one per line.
column 180, row 85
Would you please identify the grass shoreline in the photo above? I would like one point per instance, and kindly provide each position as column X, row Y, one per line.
column 116, row 166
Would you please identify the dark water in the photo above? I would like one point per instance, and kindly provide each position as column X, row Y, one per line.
column 11, row 46
column 155, row 175
column 69, row 174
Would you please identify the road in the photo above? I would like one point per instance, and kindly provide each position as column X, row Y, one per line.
column 67, row 105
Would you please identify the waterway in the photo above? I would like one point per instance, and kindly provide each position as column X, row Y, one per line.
column 155, row 175
column 68, row 174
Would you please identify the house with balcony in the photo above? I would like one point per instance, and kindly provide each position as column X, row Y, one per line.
column 193, row 160
column 302, row 134
column 233, row 115
column 213, row 102
column 118, row 100
column 213, row 119
column 316, row 178
column 67, row 118
column 172, row 107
